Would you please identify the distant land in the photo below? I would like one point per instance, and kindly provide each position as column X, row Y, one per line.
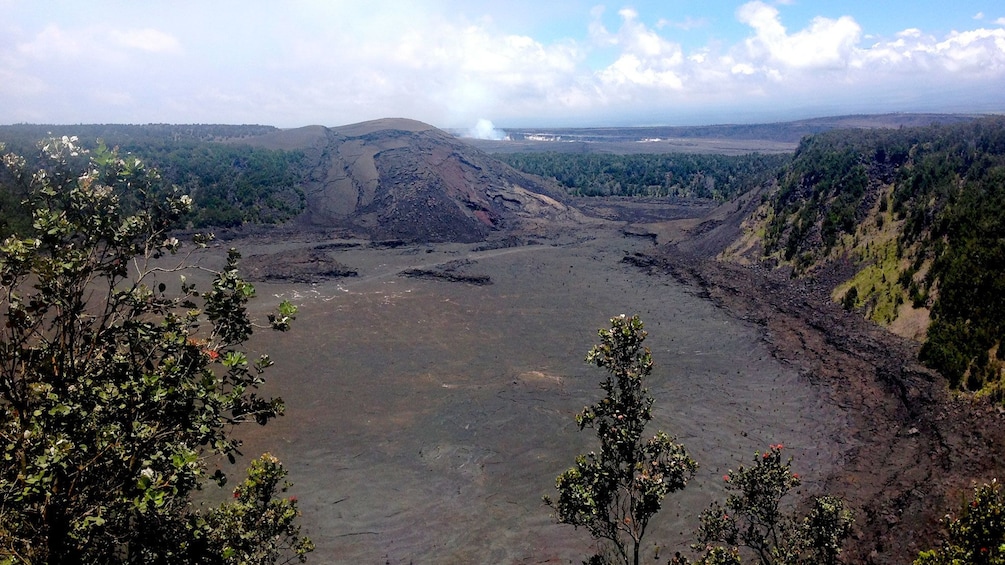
column 775, row 137
column 723, row 139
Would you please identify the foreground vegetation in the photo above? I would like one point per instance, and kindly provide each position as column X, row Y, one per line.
column 119, row 384
column 976, row 534
column 615, row 493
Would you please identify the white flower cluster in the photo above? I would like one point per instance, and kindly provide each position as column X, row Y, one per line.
column 59, row 148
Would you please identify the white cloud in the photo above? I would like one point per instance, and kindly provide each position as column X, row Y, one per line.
column 599, row 34
column 147, row 39
column 339, row 62
column 444, row 70
column 508, row 76
column 980, row 50
column 629, row 69
column 646, row 59
column 742, row 69
column 687, row 24
column 826, row 44
column 52, row 43
column 107, row 45
column 970, row 53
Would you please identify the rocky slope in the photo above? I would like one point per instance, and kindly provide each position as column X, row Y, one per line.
column 860, row 210
column 403, row 179
column 907, row 225
column 913, row 450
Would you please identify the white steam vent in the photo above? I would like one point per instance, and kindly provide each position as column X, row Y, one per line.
column 485, row 129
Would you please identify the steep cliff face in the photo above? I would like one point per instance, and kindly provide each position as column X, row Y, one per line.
column 907, row 225
column 403, row 179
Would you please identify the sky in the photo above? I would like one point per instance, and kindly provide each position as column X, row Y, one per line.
column 495, row 64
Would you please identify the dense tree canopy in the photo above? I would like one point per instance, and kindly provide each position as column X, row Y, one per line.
column 680, row 175
column 230, row 183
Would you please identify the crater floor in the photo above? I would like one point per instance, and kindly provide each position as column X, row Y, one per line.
column 426, row 418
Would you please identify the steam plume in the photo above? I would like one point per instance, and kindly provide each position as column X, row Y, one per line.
column 484, row 129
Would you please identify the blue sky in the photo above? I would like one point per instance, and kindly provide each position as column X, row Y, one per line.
column 519, row 63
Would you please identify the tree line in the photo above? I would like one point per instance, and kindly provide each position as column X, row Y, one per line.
column 677, row 175
column 230, row 183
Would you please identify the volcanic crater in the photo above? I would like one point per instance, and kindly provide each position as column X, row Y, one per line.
column 429, row 411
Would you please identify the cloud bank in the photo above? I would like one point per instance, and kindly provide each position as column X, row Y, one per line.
column 333, row 63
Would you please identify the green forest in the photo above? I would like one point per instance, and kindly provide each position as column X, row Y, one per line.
column 231, row 183
column 678, row 175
